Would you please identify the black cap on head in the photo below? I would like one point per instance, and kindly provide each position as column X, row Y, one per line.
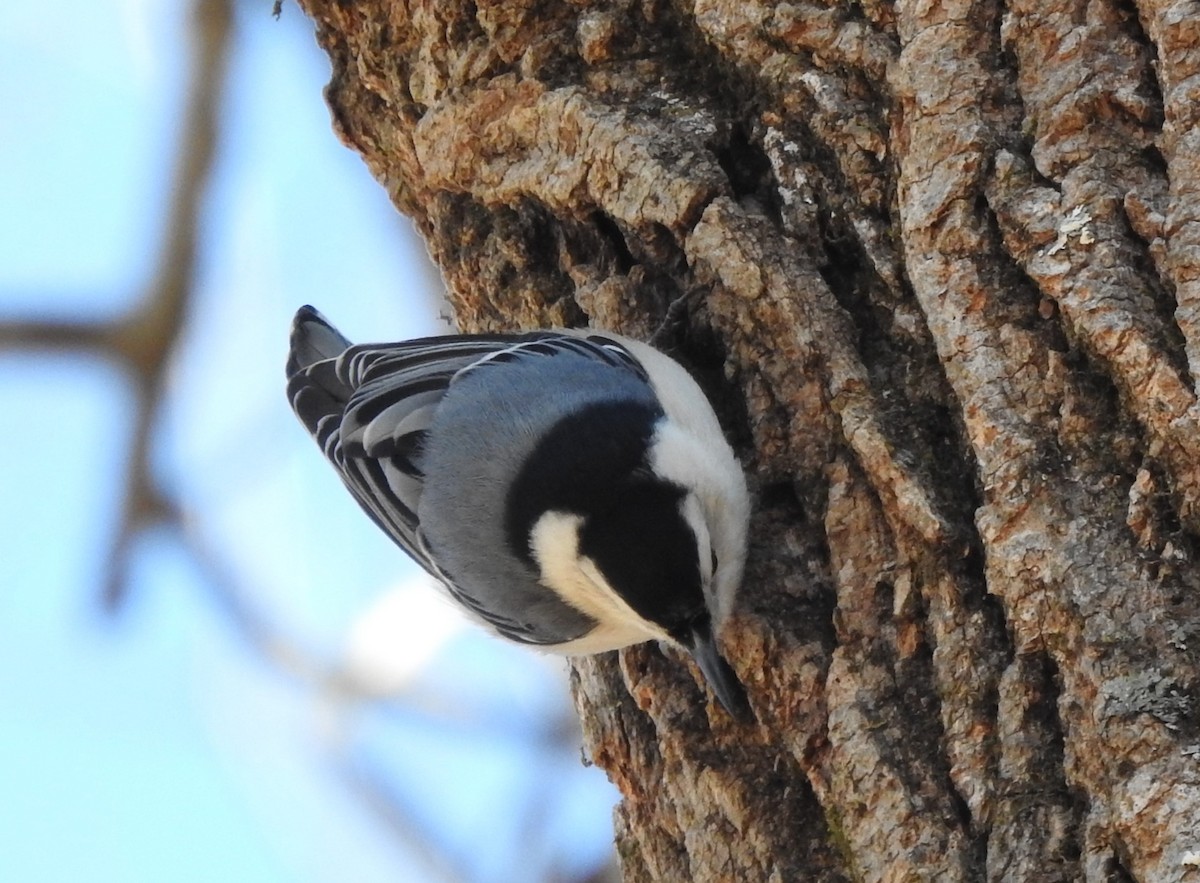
column 647, row 551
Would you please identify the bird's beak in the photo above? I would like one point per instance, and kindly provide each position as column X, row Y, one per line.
column 719, row 673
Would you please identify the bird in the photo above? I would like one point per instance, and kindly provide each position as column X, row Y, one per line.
column 572, row 489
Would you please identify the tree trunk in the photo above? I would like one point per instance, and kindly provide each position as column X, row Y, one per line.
column 938, row 264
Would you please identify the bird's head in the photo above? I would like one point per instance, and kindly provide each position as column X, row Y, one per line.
column 643, row 565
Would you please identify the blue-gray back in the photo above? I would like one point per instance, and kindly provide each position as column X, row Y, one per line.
column 429, row 434
column 480, row 441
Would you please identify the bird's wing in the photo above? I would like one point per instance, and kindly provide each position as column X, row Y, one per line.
column 369, row 407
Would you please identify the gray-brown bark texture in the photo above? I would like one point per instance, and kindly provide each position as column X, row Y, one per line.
column 939, row 264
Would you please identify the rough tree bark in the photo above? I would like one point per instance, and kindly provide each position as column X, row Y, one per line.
column 939, row 265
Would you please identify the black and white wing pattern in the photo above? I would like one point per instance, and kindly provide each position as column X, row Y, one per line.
column 370, row 406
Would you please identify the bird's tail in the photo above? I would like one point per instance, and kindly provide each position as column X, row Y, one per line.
column 315, row 389
column 313, row 340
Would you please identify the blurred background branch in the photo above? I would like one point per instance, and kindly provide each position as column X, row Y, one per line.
column 150, row 341
column 142, row 341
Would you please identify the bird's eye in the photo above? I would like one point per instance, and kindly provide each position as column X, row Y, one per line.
column 713, row 552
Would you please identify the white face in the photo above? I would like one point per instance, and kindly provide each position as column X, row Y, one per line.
column 717, row 508
column 693, row 514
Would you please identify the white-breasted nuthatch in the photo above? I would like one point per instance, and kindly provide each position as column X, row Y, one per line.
column 571, row 489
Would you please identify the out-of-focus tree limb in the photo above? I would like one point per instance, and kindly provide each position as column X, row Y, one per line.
column 142, row 341
column 66, row 335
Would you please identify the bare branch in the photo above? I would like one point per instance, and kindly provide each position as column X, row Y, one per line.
column 144, row 340
column 69, row 336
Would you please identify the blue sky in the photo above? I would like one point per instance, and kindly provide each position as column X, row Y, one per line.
column 158, row 744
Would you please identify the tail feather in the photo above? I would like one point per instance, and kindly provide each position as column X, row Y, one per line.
column 314, row 387
column 313, row 340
